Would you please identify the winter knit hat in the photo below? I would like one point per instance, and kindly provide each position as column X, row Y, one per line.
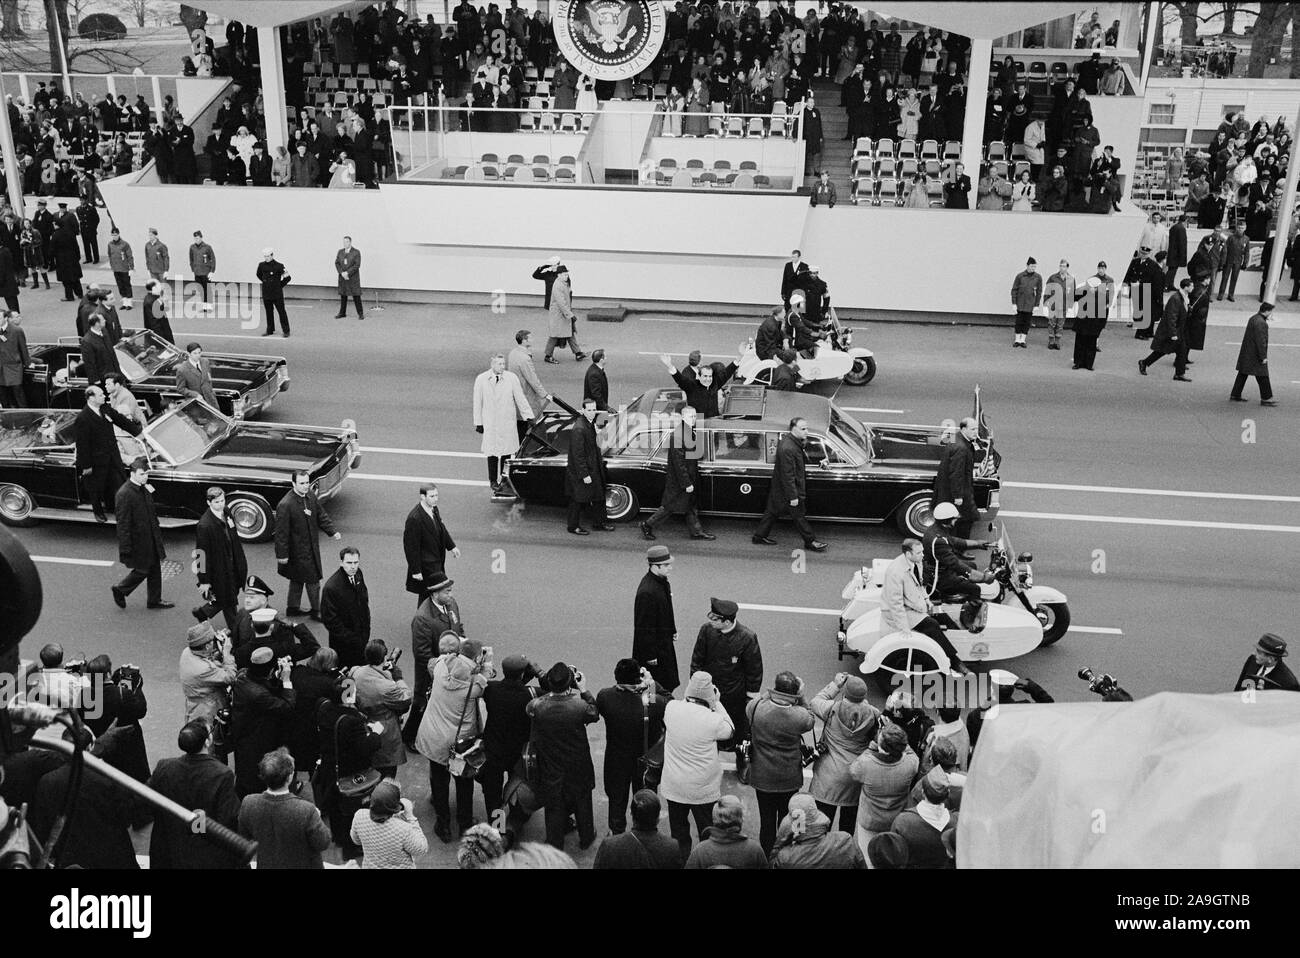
column 888, row 850
column 855, row 690
column 479, row 845
column 700, row 686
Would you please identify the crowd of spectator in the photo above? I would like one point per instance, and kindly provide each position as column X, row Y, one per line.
column 1236, row 176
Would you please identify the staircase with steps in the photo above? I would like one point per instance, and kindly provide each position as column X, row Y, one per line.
column 837, row 151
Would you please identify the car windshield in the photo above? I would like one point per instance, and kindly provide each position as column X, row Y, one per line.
column 144, row 354
column 186, row 433
column 21, row 432
column 852, row 434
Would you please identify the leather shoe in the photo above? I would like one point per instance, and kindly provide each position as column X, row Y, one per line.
column 647, row 532
column 1237, row 398
column 1268, row 402
column 816, row 545
column 1181, row 379
column 100, row 517
column 443, row 831
column 118, row 597
column 1142, row 366
column 1191, row 362
column 579, row 357
column 552, row 360
column 706, row 536
column 340, row 315
column 161, row 604
column 762, row 540
column 579, row 532
column 605, row 527
column 264, row 335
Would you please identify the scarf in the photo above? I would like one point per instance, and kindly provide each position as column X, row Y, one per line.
column 936, row 816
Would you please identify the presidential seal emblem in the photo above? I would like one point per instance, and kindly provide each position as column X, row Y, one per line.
column 610, row 39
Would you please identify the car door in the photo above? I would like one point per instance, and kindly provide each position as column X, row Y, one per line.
column 739, row 470
column 836, row 490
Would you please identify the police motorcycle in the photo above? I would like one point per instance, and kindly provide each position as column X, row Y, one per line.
column 832, row 361
column 1015, row 616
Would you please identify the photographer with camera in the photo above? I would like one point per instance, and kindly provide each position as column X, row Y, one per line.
column 692, row 773
column 261, row 715
column 206, row 670
column 565, row 775
column 1007, row 686
column 52, row 683
column 383, row 697
column 450, row 727
column 196, row 779
column 347, row 743
column 1105, row 686
column 315, row 680
column 778, row 720
column 849, row 724
column 259, row 626
column 507, row 727
column 116, row 701
column 633, row 710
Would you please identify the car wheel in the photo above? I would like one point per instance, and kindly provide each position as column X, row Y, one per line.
column 894, row 669
column 252, row 517
column 914, row 515
column 1055, row 617
column 16, row 505
column 620, row 503
column 863, row 371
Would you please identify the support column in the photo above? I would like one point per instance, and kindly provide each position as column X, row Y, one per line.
column 1154, row 35
column 157, row 99
column 12, row 176
column 1274, row 266
column 272, row 67
column 977, row 92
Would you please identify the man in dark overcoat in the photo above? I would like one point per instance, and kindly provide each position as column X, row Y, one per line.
column 681, row 484
column 1176, row 257
column 347, row 263
column 955, row 480
column 298, row 520
column 426, row 542
column 437, row 613
column 345, row 609
column 100, row 470
column 584, row 474
column 788, row 495
column 654, row 628
column 1171, row 333
column 1252, row 359
column 139, row 539
column 219, row 558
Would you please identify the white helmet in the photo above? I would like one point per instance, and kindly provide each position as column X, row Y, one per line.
column 945, row 511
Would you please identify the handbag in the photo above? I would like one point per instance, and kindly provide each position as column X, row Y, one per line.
column 650, row 763
column 358, row 784
column 467, row 754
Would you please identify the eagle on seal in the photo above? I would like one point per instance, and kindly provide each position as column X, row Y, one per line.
column 607, row 26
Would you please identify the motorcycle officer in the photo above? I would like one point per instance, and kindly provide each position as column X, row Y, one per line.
column 946, row 572
column 805, row 329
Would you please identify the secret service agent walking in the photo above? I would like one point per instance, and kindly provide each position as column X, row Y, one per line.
column 1252, row 360
column 584, row 474
column 298, row 520
column 788, row 495
column 681, row 484
column 139, row 538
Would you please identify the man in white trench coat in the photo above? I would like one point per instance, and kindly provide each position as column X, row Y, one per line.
column 499, row 403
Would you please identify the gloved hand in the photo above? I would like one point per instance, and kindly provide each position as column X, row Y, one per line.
column 478, row 429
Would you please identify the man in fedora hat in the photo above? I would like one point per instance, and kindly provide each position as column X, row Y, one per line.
column 1264, row 669
column 654, row 628
column 437, row 613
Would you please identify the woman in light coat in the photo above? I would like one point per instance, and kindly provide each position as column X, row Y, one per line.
column 499, row 403
column 850, row 724
column 280, row 167
column 243, row 142
column 451, row 716
column 343, row 172
column 383, row 697
column 674, row 104
column 910, row 109
column 1023, row 193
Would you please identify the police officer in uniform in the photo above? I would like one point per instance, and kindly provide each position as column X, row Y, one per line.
column 730, row 653
column 946, row 572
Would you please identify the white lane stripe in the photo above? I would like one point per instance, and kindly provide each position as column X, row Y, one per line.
column 383, row 477
column 891, row 412
column 61, row 560
column 208, row 335
column 1288, row 345
column 703, row 355
column 1092, row 630
column 1125, row 490
column 392, row 450
column 701, row 322
column 1139, row 521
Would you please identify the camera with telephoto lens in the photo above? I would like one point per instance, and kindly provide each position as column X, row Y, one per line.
column 74, row 666
column 577, row 676
column 1099, row 684
column 128, row 675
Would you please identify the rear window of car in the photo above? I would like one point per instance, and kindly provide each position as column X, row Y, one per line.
column 737, row 446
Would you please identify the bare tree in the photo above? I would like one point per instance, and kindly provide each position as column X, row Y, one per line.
column 1188, row 21
column 1230, row 11
column 19, row 54
column 140, row 9
column 10, row 27
column 1266, row 40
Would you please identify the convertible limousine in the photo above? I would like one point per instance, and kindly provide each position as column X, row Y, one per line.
column 245, row 385
column 857, row 472
column 190, row 448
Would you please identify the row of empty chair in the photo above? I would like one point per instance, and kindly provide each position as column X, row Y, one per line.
column 510, row 174
column 891, row 191
column 690, row 179
column 869, row 154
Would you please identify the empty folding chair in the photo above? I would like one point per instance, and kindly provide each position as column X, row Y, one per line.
column 668, row 165
column 511, row 173
column 695, row 167
column 1018, row 151
column 487, row 158
column 934, row 190
column 908, row 168
column 548, row 122
column 531, row 74
column 543, row 88
column 565, row 175
column 363, row 69
column 885, row 166
column 863, row 189
column 568, row 123
column 587, row 119
column 350, row 84
column 778, row 127
column 569, row 161
column 952, row 150
column 1020, row 66
column 889, row 191
column 907, row 149
column 762, row 182
column 1038, row 70
column 527, row 122
column 728, row 180
column 863, row 147
column 885, row 147
column 735, row 126
column 1060, row 70
column 541, row 174
column 490, row 172
column 660, row 91
column 748, row 166
column 548, row 73
column 997, row 151
column 707, row 178
column 930, row 150
column 755, row 127
column 542, row 159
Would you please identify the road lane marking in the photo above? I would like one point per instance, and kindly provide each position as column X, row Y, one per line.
column 207, row 335
column 798, row 609
column 703, row 322
column 1125, row 490
column 891, row 412
column 384, row 477
column 392, row 450
column 702, row 355
column 1289, row 345
column 1139, row 521
column 62, row 560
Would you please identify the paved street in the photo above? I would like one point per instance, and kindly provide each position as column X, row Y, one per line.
column 1173, row 538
